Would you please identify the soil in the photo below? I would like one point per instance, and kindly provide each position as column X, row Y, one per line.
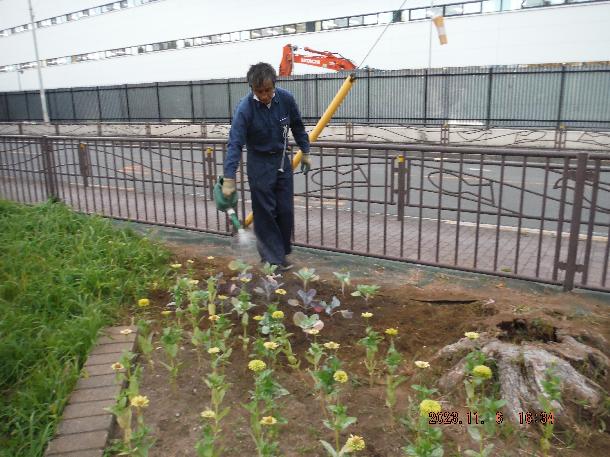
column 429, row 314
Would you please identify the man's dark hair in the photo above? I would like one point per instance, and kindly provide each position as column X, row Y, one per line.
column 259, row 73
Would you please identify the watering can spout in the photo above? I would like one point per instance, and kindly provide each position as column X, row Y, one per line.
column 226, row 205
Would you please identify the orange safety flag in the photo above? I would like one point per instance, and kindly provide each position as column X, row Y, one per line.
column 439, row 22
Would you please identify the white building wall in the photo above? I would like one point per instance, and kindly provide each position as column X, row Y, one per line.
column 557, row 34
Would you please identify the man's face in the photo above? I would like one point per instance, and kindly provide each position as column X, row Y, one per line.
column 265, row 91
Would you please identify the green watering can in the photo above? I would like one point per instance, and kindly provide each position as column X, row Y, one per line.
column 226, row 205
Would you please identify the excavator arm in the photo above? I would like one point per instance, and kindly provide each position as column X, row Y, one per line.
column 323, row 59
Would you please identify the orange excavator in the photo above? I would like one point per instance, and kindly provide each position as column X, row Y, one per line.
column 324, row 59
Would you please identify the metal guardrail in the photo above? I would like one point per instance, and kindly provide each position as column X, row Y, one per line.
column 525, row 213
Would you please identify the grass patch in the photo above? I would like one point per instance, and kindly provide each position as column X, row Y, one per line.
column 63, row 276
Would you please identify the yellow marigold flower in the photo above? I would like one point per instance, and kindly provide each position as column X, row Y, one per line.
column 422, row 364
column 270, row 345
column 355, row 443
column 268, row 420
column 139, row 401
column 166, row 312
column 211, row 257
column 194, row 282
column 223, row 297
column 278, row 315
column 258, row 318
column 280, row 291
column 312, row 331
column 118, row 366
column 482, row 371
column 332, row 345
column 126, row 331
column 340, row 376
column 208, row 414
column 472, row 335
column 175, row 266
column 143, row 302
column 391, row 331
column 367, row 315
column 214, row 317
column 213, row 350
column 429, row 406
column 257, row 365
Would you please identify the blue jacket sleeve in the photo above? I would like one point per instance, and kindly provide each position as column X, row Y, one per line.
column 237, row 140
column 298, row 128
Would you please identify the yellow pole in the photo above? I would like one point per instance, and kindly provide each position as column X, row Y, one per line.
column 323, row 122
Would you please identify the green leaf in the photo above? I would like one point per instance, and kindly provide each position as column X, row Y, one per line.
column 329, row 449
column 474, row 433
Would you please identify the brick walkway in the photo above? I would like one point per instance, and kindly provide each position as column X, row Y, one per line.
column 86, row 425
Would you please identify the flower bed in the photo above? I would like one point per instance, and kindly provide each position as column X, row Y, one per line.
column 237, row 360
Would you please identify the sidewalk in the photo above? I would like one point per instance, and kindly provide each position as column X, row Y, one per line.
column 529, row 255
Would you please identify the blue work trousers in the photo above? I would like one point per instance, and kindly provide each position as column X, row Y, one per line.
column 272, row 205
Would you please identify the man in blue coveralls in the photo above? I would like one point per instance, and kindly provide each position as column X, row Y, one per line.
column 261, row 122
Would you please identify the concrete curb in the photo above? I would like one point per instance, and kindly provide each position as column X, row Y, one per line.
column 85, row 425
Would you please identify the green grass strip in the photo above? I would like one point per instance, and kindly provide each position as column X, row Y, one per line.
column 63, row 276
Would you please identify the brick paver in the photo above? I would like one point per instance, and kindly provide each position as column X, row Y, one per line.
column 86, row 424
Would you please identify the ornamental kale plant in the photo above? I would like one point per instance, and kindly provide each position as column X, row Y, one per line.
column 344, row 279
column 366, row 291
column 268, row 286
column 307, row 275
column 307, row 323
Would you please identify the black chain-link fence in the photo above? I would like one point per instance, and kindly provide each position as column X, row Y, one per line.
column 550, row 96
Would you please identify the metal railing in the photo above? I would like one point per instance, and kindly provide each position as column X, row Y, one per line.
column 503, row 96
column 525, row 213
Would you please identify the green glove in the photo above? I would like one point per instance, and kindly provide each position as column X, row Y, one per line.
column 305, row 163
column 228, row 187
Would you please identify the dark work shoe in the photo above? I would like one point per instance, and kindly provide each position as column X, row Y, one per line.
column 284, row 267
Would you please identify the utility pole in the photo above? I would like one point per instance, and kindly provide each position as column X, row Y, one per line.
column 43, row 98
column 430, row 36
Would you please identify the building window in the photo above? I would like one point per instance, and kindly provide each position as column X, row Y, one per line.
column 454, row 10
column 355, row 21
column 472, row 8
column 370, row 19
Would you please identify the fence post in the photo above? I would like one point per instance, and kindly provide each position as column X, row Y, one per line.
column 127, row 103
column 368, row 95
column 210, row 164
column 400, row 184
column 73, row 104
column 192, row 101
column 50, row 178
column 158, row 103
column 425, row 97
column 317, row 115
column 489, row 96
column 561, row 90
column 570, row 266
column 99, row 103
column 229, row 100
column 84, row 163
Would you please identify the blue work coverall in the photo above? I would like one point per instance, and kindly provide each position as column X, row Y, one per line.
column 261, row 130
